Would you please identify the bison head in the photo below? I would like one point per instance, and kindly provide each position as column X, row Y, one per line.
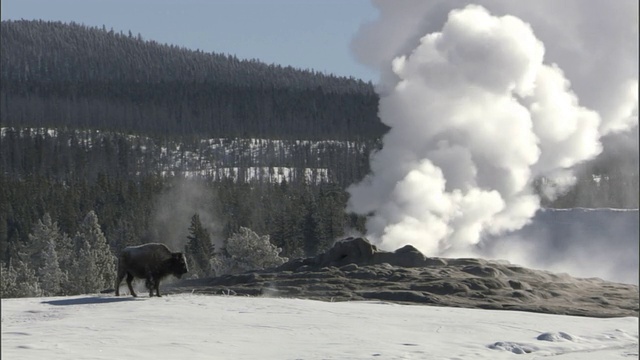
column 178, row 265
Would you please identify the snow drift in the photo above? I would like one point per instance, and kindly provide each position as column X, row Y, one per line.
column 220, row 327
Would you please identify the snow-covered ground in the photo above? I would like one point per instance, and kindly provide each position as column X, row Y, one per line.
column 226, row 327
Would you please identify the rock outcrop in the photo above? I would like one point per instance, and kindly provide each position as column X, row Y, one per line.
column 354, row 269
column 361, row 252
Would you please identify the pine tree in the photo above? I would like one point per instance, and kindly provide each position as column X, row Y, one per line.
column 95, row 268
column 312, row 227
column 43, row 231
column 64, row 252
column 8, row 281
column 37, row 252
column 52, row 278
column 19, row 281
column 84, row 274
column 199, row 248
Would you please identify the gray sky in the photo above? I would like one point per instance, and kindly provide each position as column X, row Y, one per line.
column 307, row 34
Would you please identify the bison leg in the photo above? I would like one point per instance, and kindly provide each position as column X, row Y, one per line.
column 129, row 280
column 118, row 281
column 150, row 283
column 153, row 284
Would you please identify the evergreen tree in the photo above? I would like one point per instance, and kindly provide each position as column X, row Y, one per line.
column 312, row 227
column 199, row 248
column 8, row 277
column 19, row 281
column 64, row 252
column 43, row 259
column 84, row 274
column 95, row 268
column 52, row 278
column 44, row 231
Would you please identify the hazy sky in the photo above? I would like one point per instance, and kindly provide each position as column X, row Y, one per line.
column 308, row 34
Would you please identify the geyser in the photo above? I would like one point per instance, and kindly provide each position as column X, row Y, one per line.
column 479, row 107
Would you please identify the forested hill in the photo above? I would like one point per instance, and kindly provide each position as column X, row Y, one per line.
column 69, row 75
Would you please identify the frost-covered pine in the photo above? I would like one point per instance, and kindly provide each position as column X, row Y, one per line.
column 43, row 231
column 199, row 248
column 52, row 278
column 84, row 275
column 36, row 250
column 8, row 277
column 64, row 250
column 250, row 251
column 95, row 265
column 19, row 280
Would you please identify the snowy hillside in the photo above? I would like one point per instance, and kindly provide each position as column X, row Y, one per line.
column 220, row 327
column 240, row 159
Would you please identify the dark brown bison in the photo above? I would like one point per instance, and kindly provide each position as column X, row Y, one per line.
column 151, row 262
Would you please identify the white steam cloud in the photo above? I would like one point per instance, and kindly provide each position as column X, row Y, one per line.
column 481, row 100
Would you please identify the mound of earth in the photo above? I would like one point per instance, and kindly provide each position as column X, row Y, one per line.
column 354, row 269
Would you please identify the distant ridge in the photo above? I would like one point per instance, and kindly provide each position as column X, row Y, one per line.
column 86, row 77
column 77, row 44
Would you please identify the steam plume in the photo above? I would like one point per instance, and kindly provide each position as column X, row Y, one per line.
column 479, row 107
column 174, row 209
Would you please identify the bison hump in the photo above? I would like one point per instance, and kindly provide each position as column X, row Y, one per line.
column 154, row 250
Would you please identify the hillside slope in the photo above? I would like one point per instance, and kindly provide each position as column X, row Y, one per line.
column 69, row 75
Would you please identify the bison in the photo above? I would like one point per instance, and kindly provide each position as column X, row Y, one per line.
column 151, row 262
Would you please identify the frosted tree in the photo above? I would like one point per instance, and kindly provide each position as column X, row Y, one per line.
column 8, row 280
column 221, row 264
column 43, row 231
column 95, row 266
column 52, row 278
column 66, row 256
column 37, row 252
column 19, row 280
column 85, row 275
column 64, row 251
column 249, row 251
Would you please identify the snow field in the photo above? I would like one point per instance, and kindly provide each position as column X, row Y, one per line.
column 226, row 327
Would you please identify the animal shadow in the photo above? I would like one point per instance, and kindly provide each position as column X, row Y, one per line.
column 88, row 300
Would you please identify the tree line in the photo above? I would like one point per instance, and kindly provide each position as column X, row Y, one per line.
column 63, row 154
column 69, row 75
column 51, row 263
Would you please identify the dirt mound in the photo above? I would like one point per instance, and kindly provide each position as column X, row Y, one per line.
column 354, row 269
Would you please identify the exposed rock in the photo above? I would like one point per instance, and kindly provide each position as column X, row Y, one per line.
column 354, row 269
column 348, row 251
